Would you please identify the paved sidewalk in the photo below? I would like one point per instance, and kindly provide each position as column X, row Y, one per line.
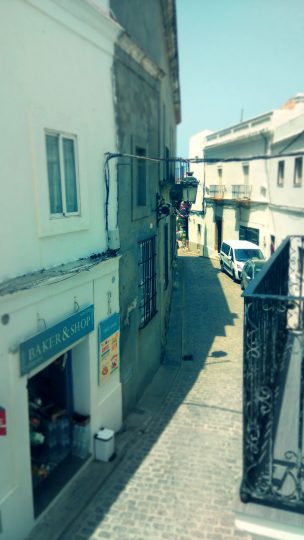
column 179, row 478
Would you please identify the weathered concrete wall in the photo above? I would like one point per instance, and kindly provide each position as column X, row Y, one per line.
column 145, row 119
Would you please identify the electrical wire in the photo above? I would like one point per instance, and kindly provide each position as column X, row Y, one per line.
column 206, row 160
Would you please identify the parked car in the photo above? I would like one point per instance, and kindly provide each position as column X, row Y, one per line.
column 235, row 253
column 250, row 270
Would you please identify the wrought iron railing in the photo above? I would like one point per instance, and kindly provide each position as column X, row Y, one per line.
column 273, row 384
column 241, row 191
column 216, row 191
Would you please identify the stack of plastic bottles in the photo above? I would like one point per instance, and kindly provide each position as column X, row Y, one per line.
column 58, row 438
column 81, row 439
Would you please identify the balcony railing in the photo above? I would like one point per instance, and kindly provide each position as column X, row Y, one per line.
column 241, row 191
column 216, row 191
column 273, row 384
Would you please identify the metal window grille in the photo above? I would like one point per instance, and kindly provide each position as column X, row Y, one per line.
column 273, row 384
column 147, row 285
column 240, row 191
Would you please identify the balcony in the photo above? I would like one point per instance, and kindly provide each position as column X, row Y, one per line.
column 273, row 382
column 216, row 191
column 241, row 192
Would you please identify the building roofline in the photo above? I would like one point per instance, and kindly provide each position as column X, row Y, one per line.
column 170, row 27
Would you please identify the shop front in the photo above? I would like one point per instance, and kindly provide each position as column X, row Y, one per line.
column 59, row 434
column 59, row 385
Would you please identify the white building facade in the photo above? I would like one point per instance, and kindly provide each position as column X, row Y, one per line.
column 59, row 283
column 244, row 194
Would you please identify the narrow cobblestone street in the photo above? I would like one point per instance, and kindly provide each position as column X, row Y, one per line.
column 180, row 479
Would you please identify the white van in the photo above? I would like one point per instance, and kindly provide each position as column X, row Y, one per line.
column 235, row 253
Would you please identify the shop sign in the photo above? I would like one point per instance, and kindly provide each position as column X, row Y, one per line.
column 2, row 421
column 108, row 347
column 52, row 341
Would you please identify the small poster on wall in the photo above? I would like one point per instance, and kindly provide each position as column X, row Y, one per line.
column 108, row 341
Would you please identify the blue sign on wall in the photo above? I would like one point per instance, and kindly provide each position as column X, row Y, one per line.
column 108, row 338
column 52, row 341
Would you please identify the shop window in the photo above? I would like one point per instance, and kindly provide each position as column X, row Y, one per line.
column 56, row 453
column 147, row 283
column 298, row 172
column 62, row 174
column 281, row 173
column 249, row 233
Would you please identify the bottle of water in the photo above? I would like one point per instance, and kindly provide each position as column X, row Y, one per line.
column 84, row 441
column 51, row 440
column 50, row 436
column 76, row 440
column 65, row 433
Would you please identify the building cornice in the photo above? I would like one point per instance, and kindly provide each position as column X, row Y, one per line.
column 84, row 18
column 170, row 25
column 129, row 46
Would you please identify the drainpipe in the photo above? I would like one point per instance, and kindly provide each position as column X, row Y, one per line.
column 266, row 139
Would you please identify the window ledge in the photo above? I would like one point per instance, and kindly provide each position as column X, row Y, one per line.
column 52, row 226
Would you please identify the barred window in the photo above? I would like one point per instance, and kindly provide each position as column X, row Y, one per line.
column 147, row 285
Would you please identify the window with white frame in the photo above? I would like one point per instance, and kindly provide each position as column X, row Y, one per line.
column 281, row 173
column 298, row 172
column 62, row 174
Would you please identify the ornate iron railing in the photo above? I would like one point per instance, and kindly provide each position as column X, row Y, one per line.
column 216, row 191
column 241, row 191
column 273, row 384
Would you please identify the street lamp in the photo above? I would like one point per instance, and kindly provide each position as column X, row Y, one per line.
column 186, row 190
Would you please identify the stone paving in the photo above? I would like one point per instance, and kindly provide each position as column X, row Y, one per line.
column 179, row 480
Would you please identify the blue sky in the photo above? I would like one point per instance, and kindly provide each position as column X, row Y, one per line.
column 234, row 55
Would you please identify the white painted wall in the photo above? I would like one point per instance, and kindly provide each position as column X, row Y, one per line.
column 56, row 58
column 103, row 402
column 56, row 74
column 274, row 210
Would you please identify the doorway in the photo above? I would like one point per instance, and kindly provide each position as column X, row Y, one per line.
column 51, row 424
column 218, row 234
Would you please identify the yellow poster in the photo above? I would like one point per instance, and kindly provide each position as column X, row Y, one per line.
column 108, row 347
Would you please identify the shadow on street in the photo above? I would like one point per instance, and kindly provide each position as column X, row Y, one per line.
column 199, row 339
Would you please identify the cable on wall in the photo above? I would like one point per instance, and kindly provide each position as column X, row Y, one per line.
column 234, row 159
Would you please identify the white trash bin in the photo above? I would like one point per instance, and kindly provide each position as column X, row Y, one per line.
column 104, row 444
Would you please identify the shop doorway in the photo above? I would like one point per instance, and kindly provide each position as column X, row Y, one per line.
column 249, row 233
column 55, row 454
column 218, row 234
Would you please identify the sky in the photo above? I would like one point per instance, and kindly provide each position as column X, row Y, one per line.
column 234, row 56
